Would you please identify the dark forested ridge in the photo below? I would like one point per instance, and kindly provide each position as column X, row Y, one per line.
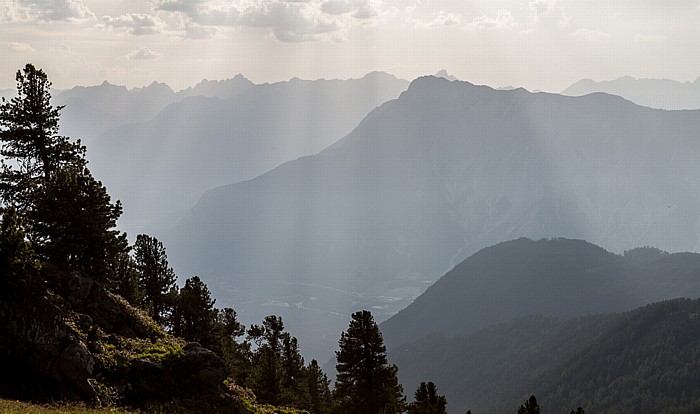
column 553, row 277
column 642, row 361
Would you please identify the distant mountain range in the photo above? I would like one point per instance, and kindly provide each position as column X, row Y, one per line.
column 654, row 93
column 428, row 179
column 640, row 361
column 158, row 151
column 91, row 110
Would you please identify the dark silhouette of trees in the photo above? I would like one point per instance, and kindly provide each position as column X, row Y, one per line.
column 365, row 383
column 320, row 401
column 69, row 215
column 194, row 316
column 73, row 224
column 30, row 140
column 530, row 407
column 427, row 401
column 16, row 254
column 156, row 279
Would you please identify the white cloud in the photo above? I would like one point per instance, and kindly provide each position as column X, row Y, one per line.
column 45, row 10
column 548, row 11
column 287, row 20
column 137, row 24
column 503, row 19
column 592, row 35
column 649, row 38
column 20, row 47
column 143, row 54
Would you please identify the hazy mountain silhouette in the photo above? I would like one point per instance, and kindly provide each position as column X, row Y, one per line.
column 159, row 168
column 630, row 362
column 91, row 110
column 224, row 89
column 428, row 179
column 558, row 278
column 654, row 93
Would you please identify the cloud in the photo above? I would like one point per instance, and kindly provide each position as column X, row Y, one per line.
column 143, row 54
column 45, row 10
column 592, row 35
column 287, row 20
column 504, row 19
column 547, row 11
column 649, row 38
column 137, row 24
column 438, row 19
column 20, row 47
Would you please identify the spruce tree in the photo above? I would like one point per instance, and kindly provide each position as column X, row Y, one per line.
column 320, row 401
column 365, row 383
column 156, row 279
column 194, row 316
column 70, row 218
column 530, row 407
column 31, row 146
column 427, row 401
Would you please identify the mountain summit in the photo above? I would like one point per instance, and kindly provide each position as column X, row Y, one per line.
column 428, row 179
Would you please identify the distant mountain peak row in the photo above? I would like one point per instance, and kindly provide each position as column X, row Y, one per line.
column 429, row 178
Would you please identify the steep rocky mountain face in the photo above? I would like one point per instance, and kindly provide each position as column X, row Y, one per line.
column 161, row 163
column 428, row 179
column 638, row 361
column 554, row 278
column 654, row 93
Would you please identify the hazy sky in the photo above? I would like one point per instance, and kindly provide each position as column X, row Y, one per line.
column 538, row 44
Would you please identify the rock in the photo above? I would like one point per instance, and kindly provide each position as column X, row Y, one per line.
column 40, row 356
column 202, row 368
column 196, row 372
column 110, row 312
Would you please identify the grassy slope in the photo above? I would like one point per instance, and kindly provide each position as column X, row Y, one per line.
column 18, row 407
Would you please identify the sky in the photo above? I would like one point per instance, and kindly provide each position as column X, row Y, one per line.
column 536, row 44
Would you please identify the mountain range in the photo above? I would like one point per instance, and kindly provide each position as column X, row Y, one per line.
column 654, row 93
column 157, row 150
column 430, row 178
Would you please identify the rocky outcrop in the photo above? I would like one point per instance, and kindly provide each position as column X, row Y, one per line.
column 61, row 332
column 87, row 297
column 198, row 370
column 40, row 354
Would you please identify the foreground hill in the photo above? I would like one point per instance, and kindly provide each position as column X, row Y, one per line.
column 654, row 93
column 557, row 278
column 642, row 361
column 428, row 179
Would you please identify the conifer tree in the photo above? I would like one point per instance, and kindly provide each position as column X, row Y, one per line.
column 365, row 383
column 530, row 407
column 427, row 401
column 194, row 316
column 157, row 278
column 69, row 216
column 320, row 401
column 31, row 147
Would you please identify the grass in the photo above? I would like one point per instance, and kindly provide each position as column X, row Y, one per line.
column 18, row 407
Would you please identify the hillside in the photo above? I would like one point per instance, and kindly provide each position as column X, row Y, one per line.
column 654, row 93
column 557, row 278
column 639, row 361
column 428, row 179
